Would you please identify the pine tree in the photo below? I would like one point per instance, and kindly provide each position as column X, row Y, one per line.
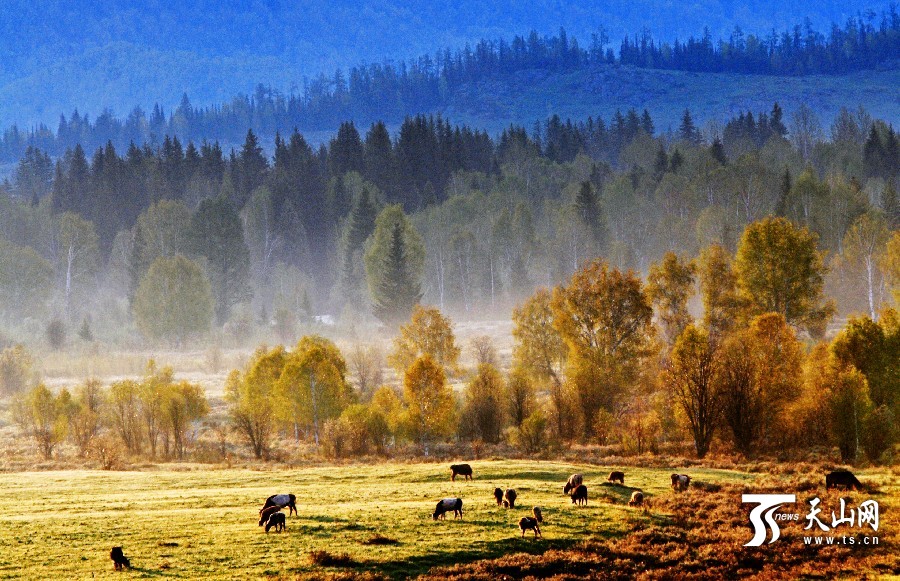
column 587, row 205
column 775, row 121
column 717, row 150
column 784, row 193
column 661, row 164
column 396, row 291
column 688, row 131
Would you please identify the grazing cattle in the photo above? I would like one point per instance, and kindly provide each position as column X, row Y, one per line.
column 281, row 501
column 843, row 478
column 616, row 476
column 120, row 561
column 527, row 523
column 498, row 496
column 574, row 482
column 510, row 498
column 637, row 498
column 445, row 506
column 266, row 513
column 536, row 511
column 461, row 470
column 680, row 482
column 580, row 495
column 277, row 520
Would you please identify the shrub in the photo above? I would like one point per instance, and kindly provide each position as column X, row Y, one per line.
column 56, row 334
column 531, row 436
column 15, row 369
column 326, row 559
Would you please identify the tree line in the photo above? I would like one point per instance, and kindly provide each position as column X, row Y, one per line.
column 390, row 92
column 372, row 224
column 605, row 358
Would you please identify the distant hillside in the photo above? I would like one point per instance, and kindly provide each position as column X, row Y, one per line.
column 532, row 95
column 86, row 54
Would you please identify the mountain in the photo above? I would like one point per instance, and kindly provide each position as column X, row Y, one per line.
column 90, row 54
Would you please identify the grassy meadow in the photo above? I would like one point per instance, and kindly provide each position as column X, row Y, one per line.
column 202, row 522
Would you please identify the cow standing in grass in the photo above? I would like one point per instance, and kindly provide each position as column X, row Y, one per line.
column 461, row 470
column 281, row 501
column 574, row 482
column 580, row 495
column 445, row 506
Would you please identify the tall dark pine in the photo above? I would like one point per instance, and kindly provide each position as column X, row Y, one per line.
column 379, row 159
column 587, row 205
column 251, row 169
column 783, row 193
column 688, row 131
column 217, row 236
column 397, row 291
column 360, row 226
column 775, row 121
column 345, row 152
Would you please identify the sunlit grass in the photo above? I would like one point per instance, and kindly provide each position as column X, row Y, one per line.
column 203, row 523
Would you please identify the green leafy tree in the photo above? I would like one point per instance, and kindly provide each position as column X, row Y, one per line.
column 217, row 236
column 395, row 262
column 77, row 255
column 864, row 245
column 174, row 300
column 162, row 230
column 26, row 280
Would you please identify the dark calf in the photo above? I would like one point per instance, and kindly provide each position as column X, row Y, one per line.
column 527, row 523
column 617, row 476
column 277, row 520
column 120, row 561
column 580, row 496
column 498, row 496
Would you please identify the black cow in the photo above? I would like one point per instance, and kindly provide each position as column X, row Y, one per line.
column 842, row 478
column 461, row 470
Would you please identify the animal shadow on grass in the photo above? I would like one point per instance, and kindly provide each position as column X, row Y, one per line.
column 615, row 493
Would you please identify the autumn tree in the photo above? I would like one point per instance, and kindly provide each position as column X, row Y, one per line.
column 174, row 300
column 482, row 414
column 758, row 377
column 540, row 352
column 87, row 417
column 604, row 316
column 365, row 363
column 312, row 387
column 428, row 332
column 431, row 407
column 519, row 397
column 718, row 288
column 670, row 284
column 890, row 265
column 183, row 404
column 395, row 262
column 38, row 414
column 689, row 374
column 780, row 270
column 483, row 350
column 250, row 398
column 124, row 411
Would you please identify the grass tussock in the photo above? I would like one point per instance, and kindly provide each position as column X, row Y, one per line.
column 327, row 559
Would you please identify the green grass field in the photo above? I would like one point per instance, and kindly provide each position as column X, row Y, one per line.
column 203, row 523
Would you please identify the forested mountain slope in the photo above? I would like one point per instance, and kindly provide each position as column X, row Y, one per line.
column 87, row 54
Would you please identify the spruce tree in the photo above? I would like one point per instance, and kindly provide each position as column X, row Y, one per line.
column 783, row 193
column 397, row 291
column 587, row 205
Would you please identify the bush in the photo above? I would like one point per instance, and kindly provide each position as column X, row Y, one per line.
column 56, row 334
column 326, row 559
column 15, row 369
column 531, row 436
column 85, row 333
